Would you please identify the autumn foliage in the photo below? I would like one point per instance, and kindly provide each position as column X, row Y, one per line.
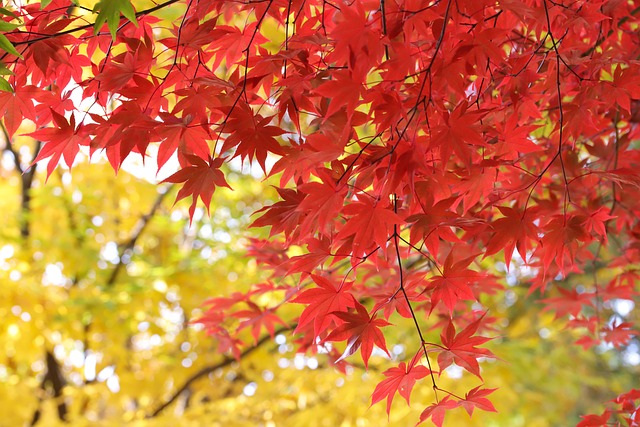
column 421, row 151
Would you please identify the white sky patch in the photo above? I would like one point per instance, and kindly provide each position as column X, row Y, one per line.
column 109, row 252
column 454, row 372
column 90, row 363
column 53, row 276
column 113, row 384
column 106, row 373
column 250, row 389
column 623, row 306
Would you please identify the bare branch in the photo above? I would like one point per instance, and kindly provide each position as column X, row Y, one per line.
column 212, row 368
column 127, row 247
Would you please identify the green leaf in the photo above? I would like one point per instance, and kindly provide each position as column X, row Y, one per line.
column 4, row 71
column 6, row 45
column 109, row 11
column 7, row 12
column 5, row 86
column 7, row 26
column 44, row 3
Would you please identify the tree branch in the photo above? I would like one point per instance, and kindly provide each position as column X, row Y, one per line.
column 128, row 246
column 609, row 33
column 87, row 26
column 56, row 380
column 209, row 369
column 26, row 178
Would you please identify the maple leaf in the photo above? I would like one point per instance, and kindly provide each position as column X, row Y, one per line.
column 282, row 216
column 199, row 99
column 514, row 230
column 435, row 224
column 570, row 302
column 128, row 130
column 462, row 349
column 456, row 132
column 475, row 398
column 595, row 222
column 318, row 251
column 625, row 86
column 182, row 135
column 200, row 180
column 475, row 187
column 256, row 318
column 561, row 238
column 226, row 342
column 323, row 302
column 371, row 224
column 323, row 202
column 361, row 331
column 109, row 11
column 633, row 394
column 400, row 379
column 515, row 138
column 61, row 141
column 252, row 136
column 453, row 284
column 342, row 91
column 393, row 301
column 17, row 105
column 438, row 410
column 232, row 41
column 618, row 334
column 593, row 420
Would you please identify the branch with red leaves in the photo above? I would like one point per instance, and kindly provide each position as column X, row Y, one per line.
column 419, row 151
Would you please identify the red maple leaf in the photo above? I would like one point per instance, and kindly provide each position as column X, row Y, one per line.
column 514, row 230
column 319, row 250
column 435, row 224
column 392, row 300
column 631, row 395
column 343, row 91
column 252, row 136
column 200, row 180
column 570, row 302
column 453, row 284
column 323, row 302
column 562, row 236
column 371, row 224
column 462, row 349
column 438, row 410
column 475, row 398
column 323, row 202
column 257, row 317
column 282, row 216
column 456, row 132
column 593, row 420
column 61, row 141
column 619, row 334
column 183, row 135
column 596, row 222
column 18, row 105
column 400, row 379
column 361, row 331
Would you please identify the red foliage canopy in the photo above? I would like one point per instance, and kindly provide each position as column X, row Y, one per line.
column 412, row 140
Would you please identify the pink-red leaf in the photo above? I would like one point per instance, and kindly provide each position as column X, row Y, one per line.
column 475, row 398
column 437, row 411
column 200, row 180
column 322, row 302
column 361, row 331
column 462, row 349
column 400, row 379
